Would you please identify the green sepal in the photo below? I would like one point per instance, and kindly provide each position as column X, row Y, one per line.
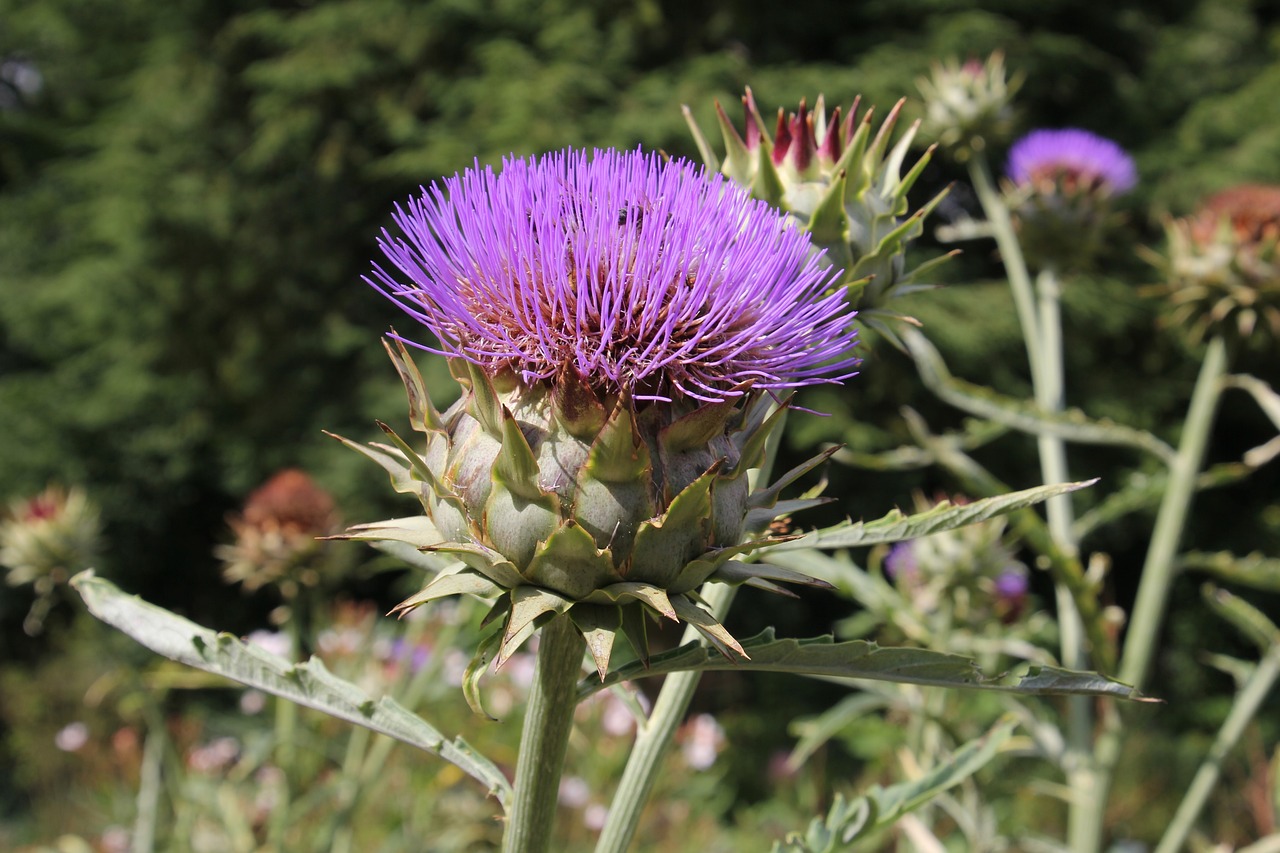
column 483, row 403
column 636, row 630
column 391, row 460
column 759, row 519
column 708, row 155
column 829, row 224
column 737, row 157
column 668, row 542
column 655, row 598
column 892, row 170
column 528, row 603
column 465, row 582
column 699, row 570
column 736, row 572
column 852, row 162
column 618, row 455
column 423, row 415
column 698, row 428
column 516, row 468
column 767, row 497
column 486, row 561
column 421, row 472
column 751, row 440
column 707, row 626
column 416, row 530
column 576, row 406
column 570, row 563
column 514, row 526
column 767, row 184
column 475, row 670
column 598, row 624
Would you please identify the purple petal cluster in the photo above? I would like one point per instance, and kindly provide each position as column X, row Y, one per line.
column 638, row 273
column 1082, row 160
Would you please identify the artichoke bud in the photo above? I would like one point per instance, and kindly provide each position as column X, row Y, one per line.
column 1221, row 268
column 968, row 106
column 840, row 180
column 564, row 500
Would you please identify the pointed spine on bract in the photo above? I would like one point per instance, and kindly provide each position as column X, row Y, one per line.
column 556, row 501
column 842, row 181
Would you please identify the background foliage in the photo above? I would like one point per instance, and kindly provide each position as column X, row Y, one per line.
column 190, row 194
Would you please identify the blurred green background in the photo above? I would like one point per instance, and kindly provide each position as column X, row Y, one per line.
column 190, row 192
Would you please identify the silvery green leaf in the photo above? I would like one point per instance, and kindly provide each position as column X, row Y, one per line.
column 1247, row 619
column 308, row 684
column 849, row 820
column 1254, row 570
column 1072, row 424
column 897, row 526
column 859, row 659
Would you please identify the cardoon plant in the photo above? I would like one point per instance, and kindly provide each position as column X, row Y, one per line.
column 627, row 330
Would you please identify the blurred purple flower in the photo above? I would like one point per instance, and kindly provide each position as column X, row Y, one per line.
column 640, row 274
column 900, row 563
column 1077, row 160
column 1011, row 585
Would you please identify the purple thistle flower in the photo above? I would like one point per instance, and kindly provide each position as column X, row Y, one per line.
column 641, row 275
column 1080, row 160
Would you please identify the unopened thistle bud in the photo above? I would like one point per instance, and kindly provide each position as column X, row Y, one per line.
column 46, row 539
column 968, row 106
column 276, row 535
column 620, row 324
column 842, row 182
column 1059, row 191
column 1222, row 269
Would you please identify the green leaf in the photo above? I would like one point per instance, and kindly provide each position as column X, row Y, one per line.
column 849, row 820
column 1253, row 570
column 1071, row 425
column 816, row 731
column 897, row 526
column 476, row 669
column 308, row 684
column 823, row 657
column 1247, row 619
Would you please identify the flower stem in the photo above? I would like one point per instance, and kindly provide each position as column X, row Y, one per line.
column 1040, row 315
column 1246, row 705
column 1158, row 569
column 548, row 720
column 655, row 737
column 1011, row 254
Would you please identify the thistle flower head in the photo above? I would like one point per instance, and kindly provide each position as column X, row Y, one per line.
column 615, row 321
column 968, row 105
column 1222, row 266
column 1060, row 184
column 1069, row 162
column 635, row 274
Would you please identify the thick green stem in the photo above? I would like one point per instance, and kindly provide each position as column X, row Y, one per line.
column 654, row 738
column 1084, row 834
column 1247, row 703
column 1042, row 334
column 1158, row 570
column 548, row 720
column 1011, row 253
